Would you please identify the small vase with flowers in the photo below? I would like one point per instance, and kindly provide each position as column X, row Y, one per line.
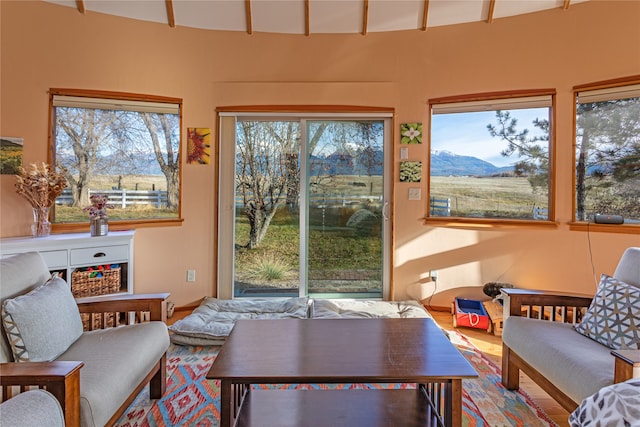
column 99, row 224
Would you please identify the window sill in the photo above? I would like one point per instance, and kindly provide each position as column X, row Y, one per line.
column 605, row 228
column 488, row 223
column 117, row 225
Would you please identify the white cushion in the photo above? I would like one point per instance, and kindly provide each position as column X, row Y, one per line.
column 42, row 324
column 354, row 309
column 214, row 319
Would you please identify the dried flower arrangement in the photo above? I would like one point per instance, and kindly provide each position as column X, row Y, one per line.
column 99, row 206
column 40, row 185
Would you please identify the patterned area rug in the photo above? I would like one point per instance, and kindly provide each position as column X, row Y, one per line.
column 191, row 400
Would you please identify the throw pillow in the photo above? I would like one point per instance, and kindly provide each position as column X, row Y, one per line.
column 42, row 324
column 613, row 318
column 617, row 405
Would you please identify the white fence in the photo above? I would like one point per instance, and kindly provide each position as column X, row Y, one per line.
column 540, row 213
column 332, row 200
column 122, row 198
column 440, row 207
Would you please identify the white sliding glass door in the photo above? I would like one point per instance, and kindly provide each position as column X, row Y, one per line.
column 303, row 206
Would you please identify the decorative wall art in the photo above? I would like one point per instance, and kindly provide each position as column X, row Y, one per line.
column 410, row 171
column 10, row 155
column 198, row 146
column 411, row 133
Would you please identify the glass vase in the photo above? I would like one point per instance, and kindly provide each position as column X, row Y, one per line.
column 41, row 226
column 99, row 226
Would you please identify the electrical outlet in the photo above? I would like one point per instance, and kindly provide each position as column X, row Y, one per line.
column 191, row 275
column 434, row 275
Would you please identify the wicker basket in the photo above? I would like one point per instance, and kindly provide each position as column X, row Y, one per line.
column 83, row 285
column 97, row 320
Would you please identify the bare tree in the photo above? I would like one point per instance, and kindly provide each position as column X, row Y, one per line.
column 260, row 177
column 268, row 163
column 85, row 132
column 368, row 156
column 161, row 132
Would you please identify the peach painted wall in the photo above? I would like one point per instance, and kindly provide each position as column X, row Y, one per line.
column 45, row 45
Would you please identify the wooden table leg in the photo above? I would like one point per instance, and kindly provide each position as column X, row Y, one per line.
column 226, row 403
column 453, row 403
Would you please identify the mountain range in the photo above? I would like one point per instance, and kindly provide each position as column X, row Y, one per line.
column 445, row 163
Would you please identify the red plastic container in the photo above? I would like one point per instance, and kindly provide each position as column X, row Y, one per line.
column 470, row 314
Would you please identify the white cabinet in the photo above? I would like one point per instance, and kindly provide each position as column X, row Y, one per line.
column 66, row 253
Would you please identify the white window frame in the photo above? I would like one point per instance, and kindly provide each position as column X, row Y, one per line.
column 226, row 190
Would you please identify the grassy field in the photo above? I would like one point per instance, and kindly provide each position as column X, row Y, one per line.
column 495, row 197
column 129, row 182
column 335, row 247
column 332, row 246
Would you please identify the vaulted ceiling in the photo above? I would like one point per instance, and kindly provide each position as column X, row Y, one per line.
column 314, row 16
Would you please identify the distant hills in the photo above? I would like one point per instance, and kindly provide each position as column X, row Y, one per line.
column 446, row 163
column 443, row 163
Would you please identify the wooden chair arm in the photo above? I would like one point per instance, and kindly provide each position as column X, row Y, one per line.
column 155, row 304
column 627, row 365
column 61, row 378
column 515, row 299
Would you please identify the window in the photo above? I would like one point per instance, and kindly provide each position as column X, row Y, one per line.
column 303, row 208
column 491, row 157
column 607, row 157
column 124, row 146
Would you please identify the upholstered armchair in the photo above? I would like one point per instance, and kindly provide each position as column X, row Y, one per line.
column 95, row 374
column 33, row 408
column 572, row 346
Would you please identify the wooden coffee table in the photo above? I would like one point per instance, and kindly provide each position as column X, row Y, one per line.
column 340, row 351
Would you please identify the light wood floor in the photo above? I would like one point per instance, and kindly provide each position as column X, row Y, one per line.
column 491, row 345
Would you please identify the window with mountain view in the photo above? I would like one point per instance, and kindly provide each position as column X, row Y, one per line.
column 124, row 146
column 607, row 166
column 490, row 157
column 303, row 208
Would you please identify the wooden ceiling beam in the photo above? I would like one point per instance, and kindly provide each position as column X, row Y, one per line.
column 247, row 11
column 425, row 15
column 566, row 5
column 170, row 16
column 306, row 18
column 80, row 6
column 365, row 17
column 492, row 6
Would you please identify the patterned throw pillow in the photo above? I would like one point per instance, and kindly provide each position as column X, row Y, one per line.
column 617, row 405
column 42, row 324
column 613, row 318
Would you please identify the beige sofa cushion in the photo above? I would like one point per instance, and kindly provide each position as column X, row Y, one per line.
column 42, row 324
column 33, row 408
column 577, row 365
column 19, row 274
column 115, row 360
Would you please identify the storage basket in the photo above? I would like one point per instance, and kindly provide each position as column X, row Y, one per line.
column 83, row 285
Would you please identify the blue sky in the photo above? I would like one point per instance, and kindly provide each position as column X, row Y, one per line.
column 466, row 133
